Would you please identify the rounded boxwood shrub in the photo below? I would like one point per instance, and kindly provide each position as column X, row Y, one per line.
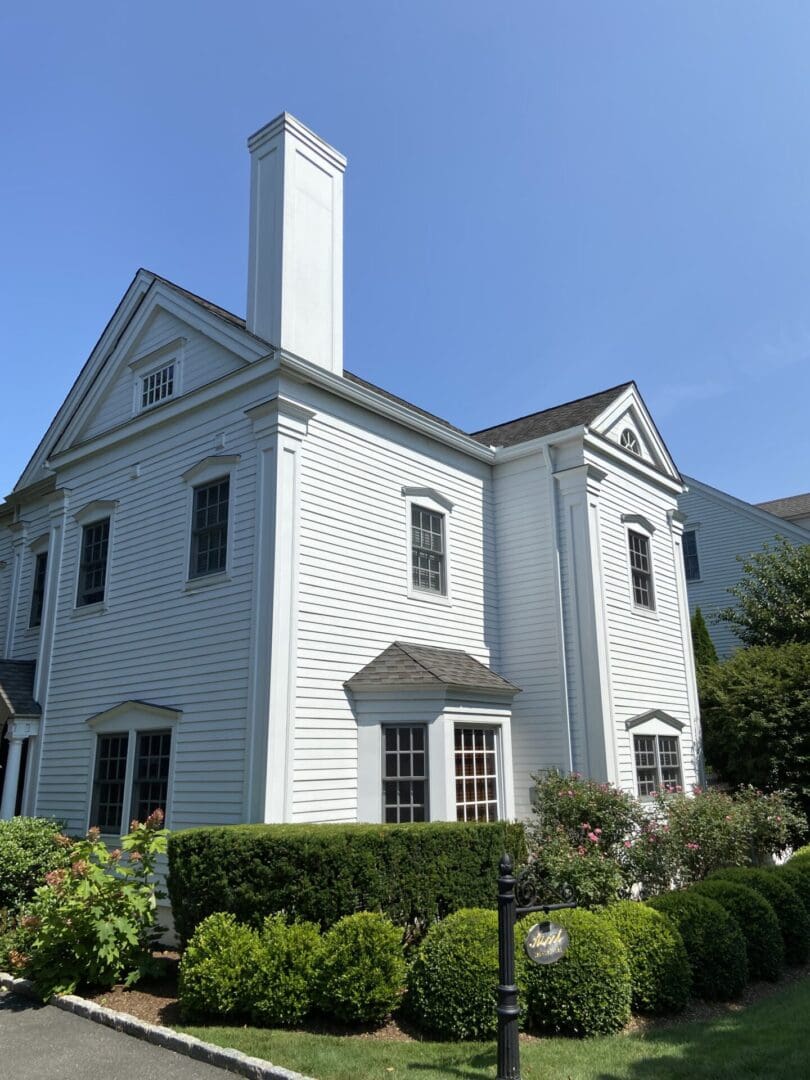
column 453, row 978
column 285, row 983
column 757, row 921
column 659, row 967
column 587, row 992
column 714, row 944
column 794, row 922
column 362, row 969
column 218, row 967
column 801, row 853
column 796, row 872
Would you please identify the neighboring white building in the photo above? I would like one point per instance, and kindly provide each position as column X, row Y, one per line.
column 718, row 531
column 243, row 583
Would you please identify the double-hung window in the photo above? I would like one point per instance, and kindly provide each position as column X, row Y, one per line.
column 476, row 753
column 658, row 763
column 93, row 564
column 209, row 528
column 641, row 569
column 691, row 561
column 428, row 566
column 38, row 589
column 405, row 796
column 109, row 783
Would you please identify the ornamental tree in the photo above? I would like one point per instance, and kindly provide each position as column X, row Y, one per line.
column 773, row 597
column 702, row 644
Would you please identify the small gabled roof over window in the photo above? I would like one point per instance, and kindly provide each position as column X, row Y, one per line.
column 406, row 664
column 17, row 687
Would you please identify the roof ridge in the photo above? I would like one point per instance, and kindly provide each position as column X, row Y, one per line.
column 402, row 645
column 560, row 405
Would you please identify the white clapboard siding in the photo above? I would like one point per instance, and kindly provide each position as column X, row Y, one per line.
column 157, row 641
column 726, row 528
column 353, row 581
column 529, row 617
column 647, row 665
column 26, row 639
column 203, row 361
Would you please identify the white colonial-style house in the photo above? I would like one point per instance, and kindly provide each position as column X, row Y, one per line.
column 719, row 531
column 242, row 583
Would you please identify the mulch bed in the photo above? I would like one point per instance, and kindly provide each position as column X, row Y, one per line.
column 155, row 1001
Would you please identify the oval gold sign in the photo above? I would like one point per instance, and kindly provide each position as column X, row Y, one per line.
column 546, row 943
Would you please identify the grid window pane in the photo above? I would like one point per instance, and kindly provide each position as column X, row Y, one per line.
column 476, row 774
column 150, row 782
column 93, row 566
column 158, row 386
column 404, row 774
column 209, row 528
column 108, row 786
column 38, row 590
column 427, row 550
column 690, row 556
column 658, row 762
column 640, row 569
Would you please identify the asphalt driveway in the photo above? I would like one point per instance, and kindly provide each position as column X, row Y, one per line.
column 39, row 1042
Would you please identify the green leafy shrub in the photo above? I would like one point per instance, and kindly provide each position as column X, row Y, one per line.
column 414, row 873
column 801, row 853
column 362, row 969
column 755, row 714
column 757, row 921
column 659, row 966
column 796, row 872
column 94, row 923
column 285, row 981
column 704, row 831
column 453, row 979
column 588, row 992
column 28, row 850
column 794, row 922
column 218, row 969
column 772, row 822
column 772, row 596
column 714, row 944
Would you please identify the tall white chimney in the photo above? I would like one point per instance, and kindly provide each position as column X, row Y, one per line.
column 295, row 267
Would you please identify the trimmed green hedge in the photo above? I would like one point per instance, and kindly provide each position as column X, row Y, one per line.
column 796, row 872
column 714, row 944
column 659, row 966
column 589, row 991
column 757, row 921
column 785, row 901
column 413, row 873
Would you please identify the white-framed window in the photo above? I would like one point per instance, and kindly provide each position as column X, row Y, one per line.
column 211, row 489
column 641, row 576
column 38, row 588
column 476, row 773
column 428, row 516
column 657, row 762
column 95, row 543
column 405, row 773
column 629, row 440
column 158, row 385
column 132, row 764
column 691, row 560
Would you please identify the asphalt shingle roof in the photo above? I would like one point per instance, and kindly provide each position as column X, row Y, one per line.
column 792, row 507
column 17, row 687
column 534, row 426
column 406, row 664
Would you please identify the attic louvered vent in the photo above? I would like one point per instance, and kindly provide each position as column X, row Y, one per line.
column 630, row 442
column 157, row 386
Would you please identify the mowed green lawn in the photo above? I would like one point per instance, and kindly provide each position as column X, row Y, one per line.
column 768, row 1040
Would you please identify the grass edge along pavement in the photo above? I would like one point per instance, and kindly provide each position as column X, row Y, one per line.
column 766, row 1039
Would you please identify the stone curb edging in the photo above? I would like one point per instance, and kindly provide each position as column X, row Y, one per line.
column 232, row 1060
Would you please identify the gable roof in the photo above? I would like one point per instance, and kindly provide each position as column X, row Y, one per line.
column 794, row 506
column 406, row 664
column 581, row 411
column 17, row 687
column 780, row 526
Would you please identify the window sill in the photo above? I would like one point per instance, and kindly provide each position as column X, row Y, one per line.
column 32, row 631
column 645, row 613
column 89, row 609
column 205, row 580
column 430, row 597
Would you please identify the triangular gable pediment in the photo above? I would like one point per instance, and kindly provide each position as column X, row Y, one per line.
column 150, row 306
column 627, row 423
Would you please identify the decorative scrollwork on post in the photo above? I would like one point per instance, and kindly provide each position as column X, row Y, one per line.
column 536, row 891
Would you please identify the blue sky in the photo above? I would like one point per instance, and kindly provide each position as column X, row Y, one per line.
column 542, row 200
